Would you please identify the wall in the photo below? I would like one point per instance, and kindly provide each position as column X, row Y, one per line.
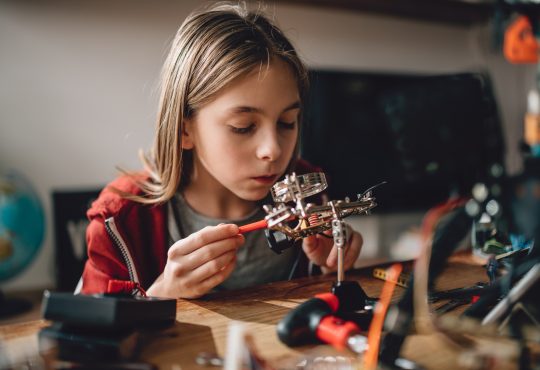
column 78, row 91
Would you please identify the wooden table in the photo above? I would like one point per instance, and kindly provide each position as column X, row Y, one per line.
column 202, row 324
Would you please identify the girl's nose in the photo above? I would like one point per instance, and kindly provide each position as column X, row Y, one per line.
column 269, row 148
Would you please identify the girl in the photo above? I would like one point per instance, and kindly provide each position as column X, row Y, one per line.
column 227, row 130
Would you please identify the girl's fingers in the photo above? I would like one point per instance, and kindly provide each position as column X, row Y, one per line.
column 311, row 248
column 351, row 256
column 353, row 251
column 212, row 251
column 216, row 279
column 211, row 268
column 186, row 264
column 310, row 244
column 331, row 261
column 317, row 248
column 208, row 235
column 358, row 240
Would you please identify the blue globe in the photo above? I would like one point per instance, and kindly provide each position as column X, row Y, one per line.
column 22, row 224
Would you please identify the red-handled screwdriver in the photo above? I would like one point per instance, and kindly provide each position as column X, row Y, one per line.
column 314, row 320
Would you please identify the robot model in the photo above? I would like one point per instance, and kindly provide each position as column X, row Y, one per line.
column 292, row 218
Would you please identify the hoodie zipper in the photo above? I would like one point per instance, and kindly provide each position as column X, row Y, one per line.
column 110, row 225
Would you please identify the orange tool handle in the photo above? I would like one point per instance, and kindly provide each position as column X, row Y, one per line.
column 262, row 224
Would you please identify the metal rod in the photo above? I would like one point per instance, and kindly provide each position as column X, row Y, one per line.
column 340, row 270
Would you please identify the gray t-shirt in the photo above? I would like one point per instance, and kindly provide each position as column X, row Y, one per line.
column 255, row 263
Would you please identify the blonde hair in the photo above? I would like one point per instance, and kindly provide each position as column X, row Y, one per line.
column 211, row 49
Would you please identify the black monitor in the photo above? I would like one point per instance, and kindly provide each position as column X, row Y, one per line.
column 427, row 136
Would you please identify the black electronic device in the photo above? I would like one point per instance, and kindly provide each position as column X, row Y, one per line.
column 108, row 311
column 87, row 345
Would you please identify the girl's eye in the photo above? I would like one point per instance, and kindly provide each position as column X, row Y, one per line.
column 242, row 130
column 287, row 125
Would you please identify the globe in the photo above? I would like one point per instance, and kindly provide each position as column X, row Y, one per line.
column 22, row 227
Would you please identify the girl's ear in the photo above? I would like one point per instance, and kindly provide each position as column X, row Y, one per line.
column 187, row 140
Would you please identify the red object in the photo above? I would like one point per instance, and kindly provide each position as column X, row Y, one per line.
column 379, row 313
column 520, row 45
column 125, row 286
column 262, row 224
column 144, row 230
column 331, row 299
column 336, row 331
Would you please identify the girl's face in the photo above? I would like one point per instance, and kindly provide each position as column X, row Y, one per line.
column 243, row 140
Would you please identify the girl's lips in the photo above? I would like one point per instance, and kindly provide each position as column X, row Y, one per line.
column 265, row 179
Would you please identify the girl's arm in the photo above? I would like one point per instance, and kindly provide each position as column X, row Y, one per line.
column 198, row 263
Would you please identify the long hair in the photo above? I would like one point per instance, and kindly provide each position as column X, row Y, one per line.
column 211, row 49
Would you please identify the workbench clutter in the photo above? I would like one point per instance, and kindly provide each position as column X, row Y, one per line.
column 341, row 317
column 368, row 331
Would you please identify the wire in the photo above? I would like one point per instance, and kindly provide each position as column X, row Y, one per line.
column 295, row 265
column 375, row 329
column 434, row 215
column 422, row 317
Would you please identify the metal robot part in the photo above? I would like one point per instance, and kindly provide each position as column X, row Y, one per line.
column 301, row 219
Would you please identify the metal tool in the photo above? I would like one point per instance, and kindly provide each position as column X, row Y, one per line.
column 286, row 223
column 310, row 218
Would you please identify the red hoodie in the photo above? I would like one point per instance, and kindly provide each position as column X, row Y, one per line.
column 129, row 241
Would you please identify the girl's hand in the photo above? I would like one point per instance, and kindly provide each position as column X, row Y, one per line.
column 321, row 251
column 198, row 263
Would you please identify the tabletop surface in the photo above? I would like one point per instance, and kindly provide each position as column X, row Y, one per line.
column 202, row 324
